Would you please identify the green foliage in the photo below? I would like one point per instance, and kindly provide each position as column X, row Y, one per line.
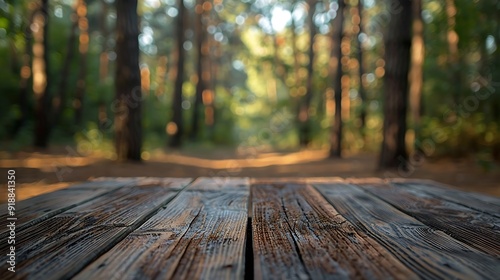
column 460, row 136
column 257, row 92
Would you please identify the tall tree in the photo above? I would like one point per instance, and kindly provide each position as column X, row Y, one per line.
column 453, row 54
column 25, row 73
column 128, row 126
column 60, row 97
column 215, row 68
column 83, row 26
column 209, row 95
column 176, row 124
column 103, row 57
column 416, row 70
column 362, row 92
column 201, row 49
column 336, row 133
column 304, row 116
column 104, row 63
column 295, row 49
column 397, row 57
column 40, row 28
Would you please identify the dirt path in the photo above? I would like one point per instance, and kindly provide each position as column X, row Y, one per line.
column 38, row 173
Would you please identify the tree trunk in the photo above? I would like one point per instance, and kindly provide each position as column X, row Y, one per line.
column 25, row 73
column 201, row 83
column 397, row 57
column 495, row 103
column 211, row 115
column 416, row 71
column 103, row 66
column 336, row 134
column 362, row 92
column 83, row 48
column 127, row 83
column 453, row 55
column 177, row 130
column 60, row 99
column 41, row 75
column 297, row 79
column 208, row 94
column 304, row 117
column 295, row 49
column 210, row 104
column 212, row 81
column 103, row 58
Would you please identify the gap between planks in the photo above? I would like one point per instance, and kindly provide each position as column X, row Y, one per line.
column 199, row 234
column 299, row 235
column 211, row 185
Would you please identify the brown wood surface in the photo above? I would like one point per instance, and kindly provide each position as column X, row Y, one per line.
column 62, row 245
column 430, row 253
column 239, row 228
column 480, row 202
column 297, row 234
column 36, row 209
column 200, row 234
column 477, row 229
column 172, row 183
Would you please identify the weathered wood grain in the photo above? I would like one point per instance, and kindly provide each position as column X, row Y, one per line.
column 479, row 202
column 477, row 229
column 430, row 253
column 61, row 246
column 199, row 235
column 36, row 209
column 297, row 234
column 173, row 183
column 220, row 184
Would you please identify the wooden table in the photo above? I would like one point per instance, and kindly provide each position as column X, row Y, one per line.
column 240, row 228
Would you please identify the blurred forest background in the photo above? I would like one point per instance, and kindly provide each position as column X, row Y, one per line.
column 86, row 81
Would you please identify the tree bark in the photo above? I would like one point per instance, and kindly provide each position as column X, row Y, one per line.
column 209, row 93
column 336, row 134
column 295, row 49
column 103, row 58
column 104, row 65
column 201, row 83
column 416, row 71
column 26, row 74
column 83, row 48
column 397, row 57
column 453, row 56
column 304, row 116
column 362, row 92
column 210, row 104
column 41, row 86
column 177, row 131
column 128, row 101
column 59, row 101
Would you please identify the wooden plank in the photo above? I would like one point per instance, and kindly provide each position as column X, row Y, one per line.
column 173, row 183
column 61, row 246
column 199, row 235
column 477, row 229
column 219, row 184
column 479, row 202
column 280, row 180
column 298, row 235
column 428, row 252
column 36, row 209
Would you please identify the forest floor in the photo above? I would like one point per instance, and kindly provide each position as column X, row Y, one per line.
column 37, row 173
